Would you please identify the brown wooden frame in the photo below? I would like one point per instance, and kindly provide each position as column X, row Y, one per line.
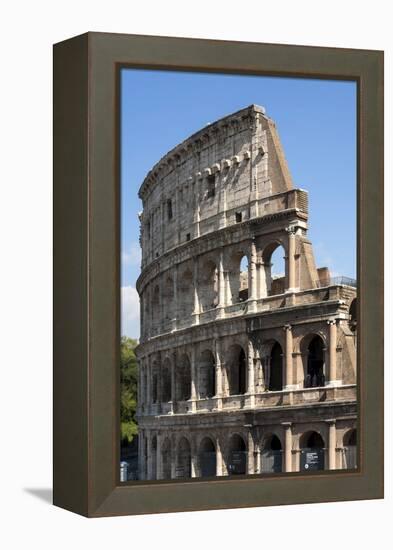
column 87, row 284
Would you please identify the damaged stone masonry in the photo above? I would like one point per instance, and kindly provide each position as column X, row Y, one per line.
column 239, row 372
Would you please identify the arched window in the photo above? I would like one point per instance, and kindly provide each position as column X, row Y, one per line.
column 183, row 379
column 166, row 381
column 315, row 355
column 207, row 458
column 312, row 452
column 207, row 375
column 237, row 370
column 155, row 309
column 238, row 277
column 276, row 356
column 154, row 383
column 271, row 456
column 237, row 459
column 166, row 459
column 183, row 463
column 243, row 280
column 168, row 302
column 208, row 285
column 272, row 271
column 185, row 295
column 350, row 450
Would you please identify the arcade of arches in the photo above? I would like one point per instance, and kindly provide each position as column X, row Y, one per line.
column 288, row 448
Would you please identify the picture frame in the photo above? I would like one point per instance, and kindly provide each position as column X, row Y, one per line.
column 87, row 278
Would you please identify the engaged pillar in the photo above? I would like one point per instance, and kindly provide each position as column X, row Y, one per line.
column 250, row 373
column 219, row 388
column 252, row 279
column 332, row 444
column 250, row 455
column 219, row 471
column 291, row 258
column 332, row 351
column 288, row 447
column 288, row 357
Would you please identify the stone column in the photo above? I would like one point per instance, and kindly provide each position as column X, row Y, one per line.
column 332, row 351
column 291, row 258
column 250, row 454
column 173, row 382
column 142, row 389
column 288, row 447
column 252, row 279
column 196, row 298
column 228, row 296
column 332, row 444
column 258, row 466
column 159, row 458
column 149, row 457
column 175, row 305
column 250, row 373
column 148, row 384
column 140, row 454
column 159, row 383
column 261, row 285
column 221, row 286
column 219, row 459
column 194, row 458
column 194, row 384
column 173, row 456
column 288, row 358
column 218, row 373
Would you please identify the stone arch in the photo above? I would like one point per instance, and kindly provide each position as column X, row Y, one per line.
column 183, row 459
column 276, row 368
column 271, row 454
column 208, row 284
column 155, row 308
column 168, row 299
column 185, row 293
column 270, row 374
column 206, row 374
column 155, row 375
column 237, row 269
column 237, row 455
column 166, row 458
column 350, row 449
column 313, row 350
column 183, row 378
column 312, row 451
column 270, row 284
column 236, row 366
column 166, row 381
column 207, row 457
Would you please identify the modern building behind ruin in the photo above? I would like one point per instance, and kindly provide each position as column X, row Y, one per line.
column 240, row 372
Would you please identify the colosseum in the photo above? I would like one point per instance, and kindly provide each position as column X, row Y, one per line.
column 240, row 371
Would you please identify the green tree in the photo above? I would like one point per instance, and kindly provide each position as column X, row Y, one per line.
column 128, row 389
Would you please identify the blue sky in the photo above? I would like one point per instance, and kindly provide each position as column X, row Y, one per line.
column 316, row 121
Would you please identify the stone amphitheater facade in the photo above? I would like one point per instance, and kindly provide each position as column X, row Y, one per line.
column 239, row 372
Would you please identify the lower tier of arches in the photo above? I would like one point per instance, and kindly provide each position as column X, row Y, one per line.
column 288, row 447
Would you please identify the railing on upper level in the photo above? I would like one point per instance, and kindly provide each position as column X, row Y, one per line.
column 338, row 280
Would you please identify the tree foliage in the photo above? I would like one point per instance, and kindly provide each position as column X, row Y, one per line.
column 128, row 389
